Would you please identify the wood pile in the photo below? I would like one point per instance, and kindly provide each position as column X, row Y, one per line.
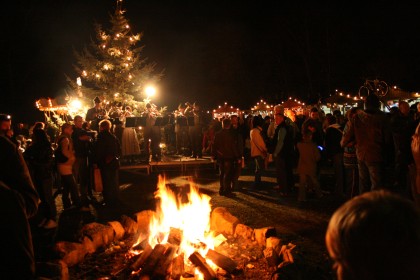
column 105, row 250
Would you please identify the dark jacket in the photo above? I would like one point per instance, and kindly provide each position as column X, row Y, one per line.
column 237, row 132
column 18, row 202
column 107, row 149
column 333, row 135
column 15, row 174
column 370, row 131
column 40, row 160
column 81, row 148
column 226, row 145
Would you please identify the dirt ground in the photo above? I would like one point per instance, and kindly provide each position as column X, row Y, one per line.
column 303, row 224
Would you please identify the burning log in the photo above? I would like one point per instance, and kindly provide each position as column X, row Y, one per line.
column 163, row 264
column 177, row 267
column 203, row 266
column 141, row 245
column 175, row 236
column 142, row 258
column 153, row 259
column 222, row 261
column 130, row 226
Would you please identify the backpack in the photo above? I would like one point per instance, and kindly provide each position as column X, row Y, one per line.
column 58, row 153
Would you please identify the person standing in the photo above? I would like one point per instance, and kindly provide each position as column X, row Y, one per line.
column 196, row 132
column 181, row 131
column 40, row 161
column 369, row 129
column 130, row 146
column 95, row 114
column 237, row 129
column 81, row 142
column 225, row 150
column 18, row 202
column 309, row 156
column 283, row 152
column 152, row 133
column 258, row 149
column 351, row 170
column 415, row 167
column 315, row 124
column 70, row 192
column 334, row 152
column 403, row 127
column 107, row 157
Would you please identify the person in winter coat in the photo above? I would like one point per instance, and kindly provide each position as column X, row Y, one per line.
column 40, row 160
column 65, row 158
column 226, row 151
column 258, row 149
column 370, row 131
column 18, row 202
column 309, row 156
column 107, row 152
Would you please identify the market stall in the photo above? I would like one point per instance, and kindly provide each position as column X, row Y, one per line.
column 225, row 110
column 262, row 108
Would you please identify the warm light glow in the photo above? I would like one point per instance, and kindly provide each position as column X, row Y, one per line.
column 150, row 91
column 75, row 104
column 79, row 81
column 191, row 216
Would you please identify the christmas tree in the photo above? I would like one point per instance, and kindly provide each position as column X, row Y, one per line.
column 113, row 68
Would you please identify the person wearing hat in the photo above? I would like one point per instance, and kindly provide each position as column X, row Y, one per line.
column 18, row 202
column 95, row 113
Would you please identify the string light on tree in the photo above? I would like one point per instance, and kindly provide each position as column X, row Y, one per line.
column 115, row 63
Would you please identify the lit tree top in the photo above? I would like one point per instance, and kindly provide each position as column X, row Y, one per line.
column 113, row 67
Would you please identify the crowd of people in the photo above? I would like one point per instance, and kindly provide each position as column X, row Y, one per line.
column 368, row 149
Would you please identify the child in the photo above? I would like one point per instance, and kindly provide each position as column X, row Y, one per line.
column 309, row 155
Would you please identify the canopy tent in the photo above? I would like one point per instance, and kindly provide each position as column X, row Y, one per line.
column 340, row 99
column 399, row 94
column 262, row 108
column 225, row 110
column 55, row 114
column 292, row 104
column 51, row 105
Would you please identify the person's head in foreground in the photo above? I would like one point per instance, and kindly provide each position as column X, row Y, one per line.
column 375, row 236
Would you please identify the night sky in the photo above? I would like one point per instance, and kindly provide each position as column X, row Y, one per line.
column 216, row 51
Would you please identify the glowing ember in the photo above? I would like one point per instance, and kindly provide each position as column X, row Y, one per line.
column 190, row 217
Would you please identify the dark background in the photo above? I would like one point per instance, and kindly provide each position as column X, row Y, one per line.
column 213, row 52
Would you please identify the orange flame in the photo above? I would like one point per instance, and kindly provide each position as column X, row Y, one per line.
column 191, row 217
